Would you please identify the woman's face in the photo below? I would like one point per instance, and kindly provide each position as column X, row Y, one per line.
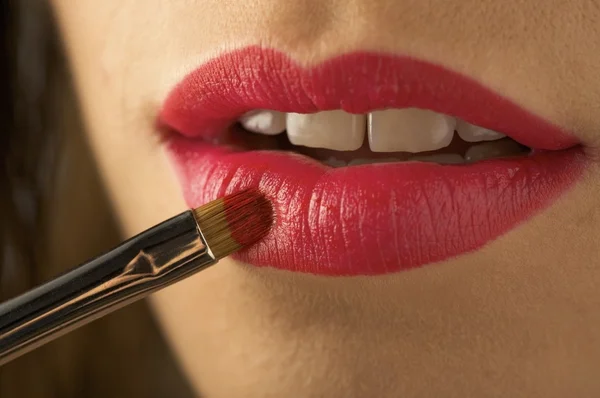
column 397, row 279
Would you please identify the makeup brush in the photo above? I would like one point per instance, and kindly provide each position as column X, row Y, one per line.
column 150, row 261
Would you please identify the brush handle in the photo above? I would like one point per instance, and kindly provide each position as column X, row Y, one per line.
column 144, row 264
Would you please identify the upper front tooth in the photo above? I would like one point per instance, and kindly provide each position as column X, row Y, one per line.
column 471, row 133
column 336, row 130
column 409, row 130
column 264, row 122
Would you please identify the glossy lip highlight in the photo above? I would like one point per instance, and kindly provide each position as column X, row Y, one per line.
column 371, row 219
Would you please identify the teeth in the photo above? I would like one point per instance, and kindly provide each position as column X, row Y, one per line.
column 409, row 130
column 264, row 122
column 335, row 130
column 443, row 158
column 404, row 130
column 488, row 150
column 333, row 162
column 358, row 162
column 471, row 133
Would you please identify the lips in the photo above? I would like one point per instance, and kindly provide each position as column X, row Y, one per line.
column 370, row 219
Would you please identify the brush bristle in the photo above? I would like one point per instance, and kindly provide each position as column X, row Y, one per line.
column 235, row 221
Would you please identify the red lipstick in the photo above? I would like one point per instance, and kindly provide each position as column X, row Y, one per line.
column 369, row 219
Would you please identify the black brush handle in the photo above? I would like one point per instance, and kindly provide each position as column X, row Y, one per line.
column 145, row 263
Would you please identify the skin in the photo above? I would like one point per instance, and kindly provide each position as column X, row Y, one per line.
column 518, row 318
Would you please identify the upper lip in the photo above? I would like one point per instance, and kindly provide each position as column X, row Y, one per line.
column 205, row 103
column 363, row 220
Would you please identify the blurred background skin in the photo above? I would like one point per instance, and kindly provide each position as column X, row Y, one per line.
column 45, row 164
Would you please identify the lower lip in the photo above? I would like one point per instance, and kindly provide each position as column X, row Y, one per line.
column 380, row 218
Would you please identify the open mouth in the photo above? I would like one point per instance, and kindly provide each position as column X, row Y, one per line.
column 340, row 139
column 375, row 163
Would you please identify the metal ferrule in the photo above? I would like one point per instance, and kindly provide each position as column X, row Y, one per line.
column 144, row 264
